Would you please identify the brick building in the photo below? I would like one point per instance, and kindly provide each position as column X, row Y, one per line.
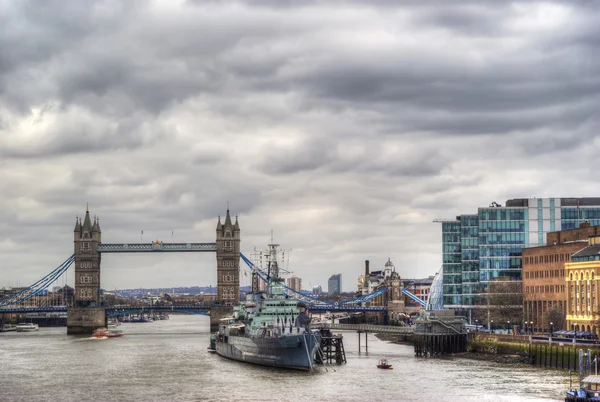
column 544, row 286
column 295, row 283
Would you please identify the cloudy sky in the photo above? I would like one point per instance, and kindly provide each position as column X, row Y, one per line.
column 345, row 127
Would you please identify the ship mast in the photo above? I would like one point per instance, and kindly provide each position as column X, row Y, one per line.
column 255, row 280
column 273, row 264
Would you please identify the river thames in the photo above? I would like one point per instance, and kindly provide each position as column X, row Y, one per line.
column 167, row 361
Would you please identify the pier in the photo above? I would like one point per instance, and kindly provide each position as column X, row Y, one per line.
column 332, row 348
column 438, row 336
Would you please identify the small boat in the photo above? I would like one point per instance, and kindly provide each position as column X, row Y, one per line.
column 103, row 333
column 27, row 327
column 8, row 328
column 383, row 364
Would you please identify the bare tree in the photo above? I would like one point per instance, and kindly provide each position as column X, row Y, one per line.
column 553, row 318
column 501, row 303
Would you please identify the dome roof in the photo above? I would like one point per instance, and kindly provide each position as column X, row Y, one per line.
column 389, row 263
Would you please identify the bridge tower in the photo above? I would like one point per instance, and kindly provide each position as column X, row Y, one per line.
column 228, row 269
column 228, row 261
column 86, row 313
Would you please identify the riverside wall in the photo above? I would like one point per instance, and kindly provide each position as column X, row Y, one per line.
column 520, row 349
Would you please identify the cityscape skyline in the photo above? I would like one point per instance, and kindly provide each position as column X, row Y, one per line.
column 346, row 144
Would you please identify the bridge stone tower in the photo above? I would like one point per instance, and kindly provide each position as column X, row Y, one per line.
column 87, row 313
column 228, row 269
column 228, row 261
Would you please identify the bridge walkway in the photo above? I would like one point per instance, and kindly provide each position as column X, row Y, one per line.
column 385, row 329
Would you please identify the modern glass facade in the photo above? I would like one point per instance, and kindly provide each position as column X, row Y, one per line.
column 452, row 265
column 469, row 243
column 436, row 293
column 487, row 246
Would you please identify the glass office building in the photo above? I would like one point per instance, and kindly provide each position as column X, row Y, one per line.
column 487, row 246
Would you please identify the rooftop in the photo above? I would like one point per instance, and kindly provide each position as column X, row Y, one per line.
column 588, row 251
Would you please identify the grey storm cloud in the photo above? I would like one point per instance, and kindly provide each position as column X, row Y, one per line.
column 344, row 126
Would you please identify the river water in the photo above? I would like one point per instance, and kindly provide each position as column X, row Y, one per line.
column 167, row 361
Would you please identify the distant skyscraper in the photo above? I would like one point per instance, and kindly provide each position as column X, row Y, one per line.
column 295, row 283
column 334, row 285
column 317, row 290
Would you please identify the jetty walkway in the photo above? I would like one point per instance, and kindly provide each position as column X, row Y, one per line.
column 382, row 329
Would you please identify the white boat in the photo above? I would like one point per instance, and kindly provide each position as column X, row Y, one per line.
column 27, row 327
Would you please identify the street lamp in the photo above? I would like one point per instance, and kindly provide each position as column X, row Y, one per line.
column 507, row 326
column 476, row 323
column 491, row 325
column 551, row 329
column 531, row 327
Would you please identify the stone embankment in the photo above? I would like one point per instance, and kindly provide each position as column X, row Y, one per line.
column 515, row 349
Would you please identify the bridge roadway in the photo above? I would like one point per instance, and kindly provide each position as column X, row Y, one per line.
column 382, row 329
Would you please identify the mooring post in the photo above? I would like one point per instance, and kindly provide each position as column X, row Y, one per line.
column 358, row 341
column 366, row 342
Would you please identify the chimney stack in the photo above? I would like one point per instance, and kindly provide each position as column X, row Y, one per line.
column 366, row 269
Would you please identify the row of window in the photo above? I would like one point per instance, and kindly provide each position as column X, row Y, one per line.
column 500, row 214
column 490, row 275
column 587, row 258
column 581, row 305
column 469, row 243
column 500, row 263
column 85, row 279
column 574, row 223
column 451, row 258
column 451, row 248
column 545, row 289
column 86, row 293
column 470, row 255
column 470, row 266
column 580, row 213
column 86, row 264
column 583, row 288
column 228, row 264
column 450, row 238
column 500, row 251
column 228, row 278
column 503, row 238
column 504, row 226
column 450, row 227
column 469, row 232
column 545, row 259
column 469, row 220
column 450, row 269
column 552, row 273
column 470, row 276
column 228, row 293
column 584, row 276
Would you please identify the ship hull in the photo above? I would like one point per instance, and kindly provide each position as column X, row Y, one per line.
column 292, row 352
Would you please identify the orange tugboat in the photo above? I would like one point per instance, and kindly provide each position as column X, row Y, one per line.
column 103, row 333
column 383, row 364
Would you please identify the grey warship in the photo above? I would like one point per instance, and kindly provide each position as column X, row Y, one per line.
column 269, row 328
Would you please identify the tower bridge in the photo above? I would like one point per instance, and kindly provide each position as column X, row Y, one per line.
column 87, row 313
